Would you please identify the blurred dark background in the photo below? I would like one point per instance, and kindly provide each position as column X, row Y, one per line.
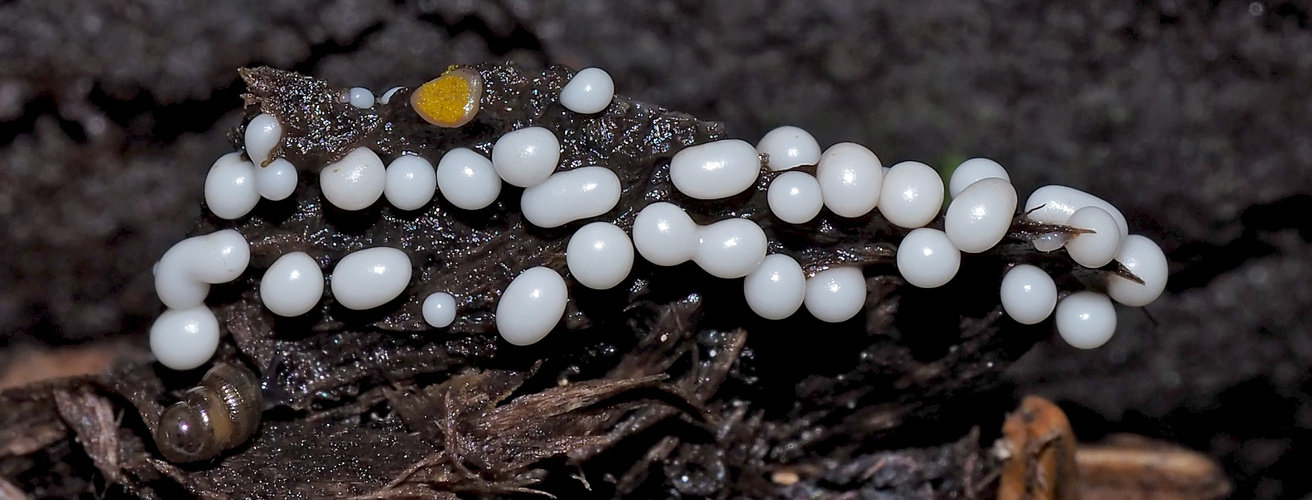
column 1192, row 117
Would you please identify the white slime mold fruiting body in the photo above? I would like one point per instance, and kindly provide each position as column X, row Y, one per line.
column 599, row 255
column 926, row 259
column 1086, row 320
column 1146, row 260
column 439, row 310
column 230, row 190
column 186, row 271
column 787, row 147
column 1098, row 248
column 794, row 197
column 467, row 179
column 590, row 91
column 183, row 339
column 277, row 180
column 972, row 171
column 912, row 194
column 715, row 170
column 361, row 97
column 979, row 218
column 355, row 182
column 262, row 134
column 411, row 182
column 387, row 96
column 777, row 288
column 571, row 195
column 836, row 295
column 531, row 306
column 851, row 179
column 731, row 248
column 1028, row 294
column 664, row 234
column 369, row 278
column 1059, row 203
column 293, row 285
column 526, row 157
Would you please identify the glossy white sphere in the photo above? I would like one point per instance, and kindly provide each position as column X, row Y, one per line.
column 794, row 197
column 230, row 190
column 361, row 97
column 354, row 182
column 1028, row 294
column 731, row 248
column 218, row 257
column 590, row 91
column 1059, row 203
column 926, row 259
column 293, row 285
column 1146, row 260
column 912, row 194
column 836, row 295
column 387, row 96
column 411, row 182
column 183, row 339
column 467, row 179
column 571, row 195
column 981, row 215
column 531, row 306
column 664, row 234
column 787, row 147
column 526, row 157
column 851, row 179
column 1086, row 320
column 1098, row 248
column 262, row 134
column 439, row 310
column 776, row 289
column 599, row 255
column 369, row 278
column 714, row 170
column 277, row 180
column 972, row 170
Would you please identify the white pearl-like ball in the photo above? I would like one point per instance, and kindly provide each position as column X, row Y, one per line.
column 183, row 339
column 1059, row 203
column 361, row 97
column 599, row 255
column 731, row 248
column 293, row 285
column 571, row 195
column 794, row 197
column 1098, row 248
column 262, row 134
column 776, row 289
column 531, row 306
column 787, row 147
column 912, row 194
column 972, row 170
column 526, row 157
column 716, row 169
column 926, row 259
column 230, row 190
column 439, row 310
column 277, row 180
column 185, row 272
column 664, row 234
column 590, row 91
column 467, row 179
column 1086, row 320
column 354, row 182
column 1028, row 294
column 980, row 216
column 851, row 179
column 411, row 182
column 1146, row 260
column 369, row 278
column 836, row 295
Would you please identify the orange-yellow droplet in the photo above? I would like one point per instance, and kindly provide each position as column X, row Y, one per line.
column 450, row 100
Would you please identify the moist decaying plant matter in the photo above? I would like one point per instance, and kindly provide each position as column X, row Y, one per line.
column 664, row 387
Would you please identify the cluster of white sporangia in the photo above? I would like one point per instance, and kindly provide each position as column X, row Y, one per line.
column 849, row 181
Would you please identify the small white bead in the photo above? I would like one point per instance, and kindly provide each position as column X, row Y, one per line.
column 355, row 182
column 262, row 134
column 1048, row 242
column 1086, row 320
column 590, row 91
column 411, row 182
column 571, row 195
column 277, row 180
column 222, row 257
column 1060, row 203
column 972, row 170
column 293, row 285
column 526, row 157
column 836, row 295
column 851, row 179
column 369, row 278
column 439, row 310
column 387, row 96
column 1146, row 260
column 912, row 194
column 787, row 147
column 183, row 339
column 664, row 234
column 980, row 216
column 1028, row 294
column 776, row 289
column 716, row 169
column 1098, row 248
column 731, row 248
column 926, row 258
column 467, row 179
column 531, row 306
column 230, row 190
column 362, row 98
column 794, row 197
column 185, row 272
column 599, row 255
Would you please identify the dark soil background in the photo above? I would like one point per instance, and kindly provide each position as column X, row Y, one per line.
column 1192, row 117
